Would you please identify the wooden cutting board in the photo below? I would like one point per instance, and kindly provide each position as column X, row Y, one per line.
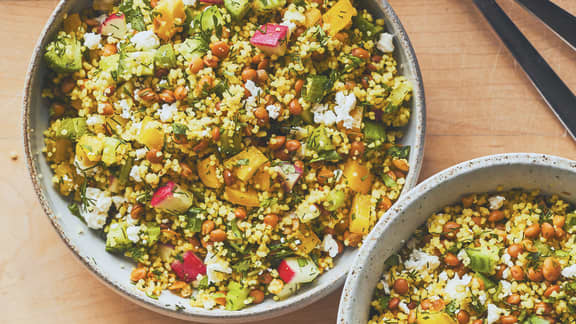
column 479, row 103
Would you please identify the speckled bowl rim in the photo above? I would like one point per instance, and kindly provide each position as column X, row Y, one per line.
column 348, row 308
column 276, row 309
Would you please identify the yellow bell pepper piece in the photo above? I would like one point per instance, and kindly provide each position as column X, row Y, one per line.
column 246, row 163
column 357, row 176
column 249, row 198
column 151, row 134
column 61, row 149
column 109, row 153
column 169, row 15
column 434, row 318
column 338, row 17
column 360, row 216
column 207, row 172
column 72, row 23
column 91, row 146
column 309, row 240
column 262, row 179
column 312, row 17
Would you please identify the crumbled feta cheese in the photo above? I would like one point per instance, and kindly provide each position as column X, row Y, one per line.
column 443, row 276
column 95, row 120
column 140, row 153
column 167, row 111
column 493, row 314
column 456, row 287
column 291, row 17
column 83, row 168
column 190, row 3
column 420, row 261
column 126, row 109
column 135, row 173
column 385, row 285
column 118, row 200
column 97, row 211
column 214, row 266
column 386, row 43
column 506, row 273
column 507, row 260
column 92, row 40
column 341, row 113
column 403, row 307
column 273, row 111
column 463, row 257
column 344, row 105
column 330, row 245
column 496, row 202
column 482, row 297
column 132, row 233
column 291, row 25
column 145, row 40
column 505, row 288
column 570, row 271
column 252, row 88
column 323, row 115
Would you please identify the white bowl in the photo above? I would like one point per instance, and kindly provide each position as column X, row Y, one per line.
column 115, row 271
column 551, row 174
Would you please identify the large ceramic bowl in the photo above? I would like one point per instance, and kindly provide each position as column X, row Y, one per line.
column 520, row 170
column 115, row 271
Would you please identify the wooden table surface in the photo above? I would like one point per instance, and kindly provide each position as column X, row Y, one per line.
column 479, row 103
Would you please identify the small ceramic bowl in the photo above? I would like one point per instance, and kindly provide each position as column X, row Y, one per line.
column 548, row 173
column 115, row 271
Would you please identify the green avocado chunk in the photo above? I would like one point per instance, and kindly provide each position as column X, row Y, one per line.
column 135, row 64
column 319, row 140
column 165, row 57
column 398, row 94
column 374, row 131
column 482, row 260
column 64, row 54
column 72, row 128
column 109, row 63
column 236, row 296
column 109, row 150
column 116, row 239
column 237, row 8
column 368, row 29
column 230, row 142
column 336, row 199
column 210, row 19
column 192, row 47
column 487, row 282
column 153, row 233
column 535, row 320
column 316, row 88
column 264, row 5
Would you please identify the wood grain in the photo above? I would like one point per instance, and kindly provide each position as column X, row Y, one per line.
column 479, row 103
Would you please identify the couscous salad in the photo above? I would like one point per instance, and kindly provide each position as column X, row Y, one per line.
column 503, row 257
column 231, row 148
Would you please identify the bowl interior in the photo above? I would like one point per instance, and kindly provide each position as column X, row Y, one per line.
column 527, row 171
column 114, row 270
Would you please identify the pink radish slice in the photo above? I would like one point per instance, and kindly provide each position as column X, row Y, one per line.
column 114, row 25
column 298, row 270
column 271, row 39
column 285, row 272
column 189, row 268
column 171, row 197
column 290, row 175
